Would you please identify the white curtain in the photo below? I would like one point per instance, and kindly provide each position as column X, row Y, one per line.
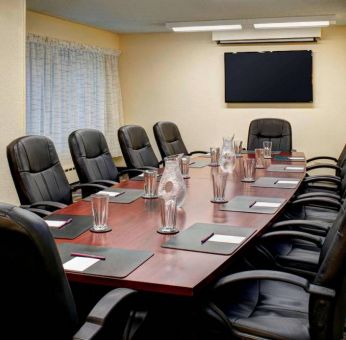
column 71, row 86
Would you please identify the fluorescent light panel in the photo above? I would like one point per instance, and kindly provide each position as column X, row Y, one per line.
column 292, row 24
column 206, row 28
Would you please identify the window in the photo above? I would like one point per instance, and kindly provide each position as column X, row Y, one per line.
column 71, row 86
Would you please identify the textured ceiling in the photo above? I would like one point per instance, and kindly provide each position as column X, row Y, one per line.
column 130, row 16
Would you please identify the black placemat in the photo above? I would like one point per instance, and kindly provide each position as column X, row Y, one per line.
column 285, row 168
column 274, row 182
column 118, row 263
column 199, row 163
column 78, row 226
column 127, row 196
column 191, row 238
column 141, row 178
column 246, row 204
column 289, row 158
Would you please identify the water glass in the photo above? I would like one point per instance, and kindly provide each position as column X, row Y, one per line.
column 267, row 146
column 249, row 170
column 214, row 156
column 185, row 166
column 259, row 155
column 219, row 185
column 150, row 184
column 99, row 205
column 238, row 144
column 168, row 216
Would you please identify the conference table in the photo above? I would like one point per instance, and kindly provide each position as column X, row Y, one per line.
column 172, row 271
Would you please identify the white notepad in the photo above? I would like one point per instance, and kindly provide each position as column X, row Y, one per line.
column 266, row 204
column 296, row 158
column 227, row 239
column 141, row 175
column 55, row 224
column 286, row 182
column 79, row 264
column 294, row 168
column 110, row 193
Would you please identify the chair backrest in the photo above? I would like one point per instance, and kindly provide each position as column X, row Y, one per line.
column 136, row 147
column 270, row 129
column 331, row 274
column 36, row 300
column 91, row 156
column 36, row 171
column 168, row 139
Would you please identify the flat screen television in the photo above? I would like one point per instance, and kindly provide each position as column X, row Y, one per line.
column 276, row 77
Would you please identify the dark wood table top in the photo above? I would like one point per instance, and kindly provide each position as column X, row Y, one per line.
column 172, row 271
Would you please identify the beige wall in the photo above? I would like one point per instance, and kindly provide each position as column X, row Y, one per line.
column 66, row 30
column 12, row 86
column 180, row 77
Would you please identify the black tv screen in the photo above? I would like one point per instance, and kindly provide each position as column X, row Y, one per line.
column 281, row 76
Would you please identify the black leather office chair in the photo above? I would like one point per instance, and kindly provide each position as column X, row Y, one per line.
column 136, row 148
column 169, row 140
column 92, row 158
column 277, row 305
column 270, row 129
column 38, row 176
column 36, row 299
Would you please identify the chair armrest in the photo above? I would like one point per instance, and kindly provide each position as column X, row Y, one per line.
column 320, row 201
column 317, row 240
column 322, row 166
column 321, row 157
column 320, row 194
column 275, row 276
column 39, row 212
column 306, row 224
column 88, row 185
column 102, row 315
column 105, row 182
column 333, row 179
column 194, row 152
column 51, row 204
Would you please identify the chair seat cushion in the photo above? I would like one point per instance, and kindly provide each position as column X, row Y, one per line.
column 270, row 309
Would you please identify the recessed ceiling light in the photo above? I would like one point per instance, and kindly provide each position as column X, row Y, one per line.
column 206, row 28
column 296, row 24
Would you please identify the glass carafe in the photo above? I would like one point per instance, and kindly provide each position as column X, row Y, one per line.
column 172, row 183
column 227, row 155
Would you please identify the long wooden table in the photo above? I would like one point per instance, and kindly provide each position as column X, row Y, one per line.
column 170, row 271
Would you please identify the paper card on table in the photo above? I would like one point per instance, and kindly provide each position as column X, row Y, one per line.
column 227, row 239
column 111, row 193
column 296, row 158
column 294, row 168
column 56, row 224
column 286, row 182
column 79, row 264
column 266, row 204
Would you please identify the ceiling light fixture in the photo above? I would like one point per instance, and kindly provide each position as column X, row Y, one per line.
column 204, row 26
column 296, row 24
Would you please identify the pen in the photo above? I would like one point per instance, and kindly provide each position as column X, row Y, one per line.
column 207, row 238
column 88, row 255
column 69, row 220
column 252, row 204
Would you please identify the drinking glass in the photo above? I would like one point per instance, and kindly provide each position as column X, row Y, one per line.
column 219, row 185
column 267, row 146
column 214, row 156
column 99, row 205
column 259, row 155
column 185, row 166
column 238, row 144
column 249, row 170
column 168, row 216
column 150, row 184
